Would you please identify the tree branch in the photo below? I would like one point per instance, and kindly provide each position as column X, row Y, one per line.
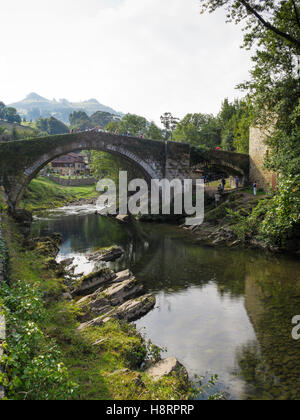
column 269, row 26
column 296, row 13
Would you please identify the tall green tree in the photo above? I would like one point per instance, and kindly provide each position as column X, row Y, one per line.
column 9, row 114
column 154, row 132
column 235, row 119
column 79, row 119
column 200, row 130
column 134, row 124
column 272, row 29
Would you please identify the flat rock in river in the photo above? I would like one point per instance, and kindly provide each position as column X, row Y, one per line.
column 107, row 255
column 131, row 310
column 134, row 309
column 166, row 367
column 120, row 292
column 93, row 281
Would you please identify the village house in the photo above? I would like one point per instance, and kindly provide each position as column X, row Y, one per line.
column 70, row 165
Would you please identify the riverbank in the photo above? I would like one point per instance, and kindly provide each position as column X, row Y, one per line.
column 237, row 222
column 234, row 223
column 48, row 357
column 43, row 194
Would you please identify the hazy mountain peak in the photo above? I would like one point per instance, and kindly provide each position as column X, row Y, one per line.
column 35, row 106
column 93, row 101
column 35, row 97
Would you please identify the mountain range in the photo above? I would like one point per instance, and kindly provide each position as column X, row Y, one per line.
column 35, row 106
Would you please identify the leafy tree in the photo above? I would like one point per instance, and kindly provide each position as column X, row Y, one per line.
column 199, row 130
column 79, row 119
column 280, row 17
column 9, row 114
column 113, row 126
column 134, row 124
column 106, row 165
column 154, row 133
column 170, row 124
column 273, row 29
column 235, row 119
column 51, row 126
column 101, row 119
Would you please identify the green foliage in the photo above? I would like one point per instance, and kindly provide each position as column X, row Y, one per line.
column 283, row 212
column 273, row 29
column 101, row 119
column 51, row 126
column 154, row 133
column 235, row 120
column 9, row 114
column 247, row 224
column 199, row 130
column 79, row 119
column 230, row 129
column 273, row 220
column 134, row 124
column 106, row 165
column 33, row 365
column 279, row 18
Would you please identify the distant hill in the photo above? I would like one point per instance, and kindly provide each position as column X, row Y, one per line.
column 35, row 106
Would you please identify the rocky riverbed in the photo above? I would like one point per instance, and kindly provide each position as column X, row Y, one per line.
column 105, row 295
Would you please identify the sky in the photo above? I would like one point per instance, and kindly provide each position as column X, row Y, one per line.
column 139, row 56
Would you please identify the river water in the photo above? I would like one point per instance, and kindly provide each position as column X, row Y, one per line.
column 218, row 311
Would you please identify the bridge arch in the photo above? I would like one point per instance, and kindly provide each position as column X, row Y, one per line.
column 233, row 164
column 21, row 161
column 147, row 155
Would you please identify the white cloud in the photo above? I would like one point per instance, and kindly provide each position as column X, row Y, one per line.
column 142, row 56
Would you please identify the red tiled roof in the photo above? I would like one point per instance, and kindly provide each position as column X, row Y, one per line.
column 69, row 158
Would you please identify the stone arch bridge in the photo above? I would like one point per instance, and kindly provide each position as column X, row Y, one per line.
column 21, row 161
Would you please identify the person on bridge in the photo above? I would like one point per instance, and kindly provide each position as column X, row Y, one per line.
column 237, row 182
column 255, row 188
column 223, row 183
column 217, row 198
column 141, row 136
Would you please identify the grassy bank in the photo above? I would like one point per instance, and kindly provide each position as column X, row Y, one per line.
column 48, row 358
column 43, row 193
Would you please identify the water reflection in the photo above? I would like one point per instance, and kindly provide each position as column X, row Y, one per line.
column 218, row 311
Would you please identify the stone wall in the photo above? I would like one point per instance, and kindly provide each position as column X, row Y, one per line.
column 258, row 151
column 79, row 182
column 2, row 319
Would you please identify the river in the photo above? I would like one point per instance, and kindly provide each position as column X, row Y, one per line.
column 218, row 311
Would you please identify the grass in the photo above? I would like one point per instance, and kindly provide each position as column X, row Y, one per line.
column 69, row 177
column 109, row 370
column 43, row 193
column 22, row 130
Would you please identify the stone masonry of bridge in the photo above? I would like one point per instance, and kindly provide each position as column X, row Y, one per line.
column 21, row 161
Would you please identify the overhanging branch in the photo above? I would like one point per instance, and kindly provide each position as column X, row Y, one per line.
column 269, row 26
